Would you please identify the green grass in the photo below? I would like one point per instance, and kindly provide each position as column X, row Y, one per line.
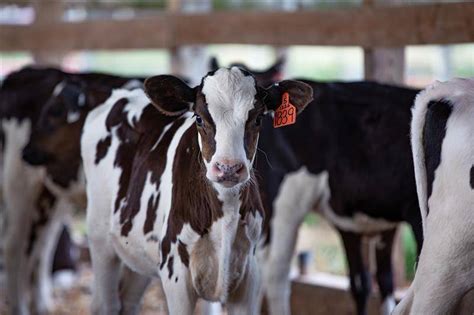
column 409, row 248
column 312, row 219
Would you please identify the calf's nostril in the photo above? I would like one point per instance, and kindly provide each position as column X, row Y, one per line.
column 229, row 169
column 237, row 168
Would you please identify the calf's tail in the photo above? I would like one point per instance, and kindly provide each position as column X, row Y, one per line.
column 419, row 112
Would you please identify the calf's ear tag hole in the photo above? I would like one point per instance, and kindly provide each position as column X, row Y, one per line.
column 285, row 114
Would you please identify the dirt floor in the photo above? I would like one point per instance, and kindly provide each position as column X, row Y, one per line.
column 76, row 300
column 317, row 237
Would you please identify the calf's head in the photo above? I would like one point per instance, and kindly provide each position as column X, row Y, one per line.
column 228, row 107
column 264, row 77
column 56, row 134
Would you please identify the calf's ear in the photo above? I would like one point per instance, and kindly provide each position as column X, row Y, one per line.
column 213, row 64
column 170, row 95
column 300, row 93
column 96, row 96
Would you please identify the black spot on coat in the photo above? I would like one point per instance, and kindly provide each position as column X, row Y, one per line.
column 472, row 177
column 434, row 132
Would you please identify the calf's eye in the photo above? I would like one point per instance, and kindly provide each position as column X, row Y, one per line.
column 198, row 120
column 56, row 111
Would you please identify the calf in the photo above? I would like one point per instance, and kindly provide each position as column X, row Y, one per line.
column 171, row 194
column 32, row 209
column 349, row 158
column 442, row 134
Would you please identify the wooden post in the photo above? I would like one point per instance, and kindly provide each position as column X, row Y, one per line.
column 48, row 12
column 387, row 65
column 191, row 61
column 381, row 64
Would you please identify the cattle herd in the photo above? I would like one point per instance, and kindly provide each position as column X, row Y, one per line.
column 205, row 187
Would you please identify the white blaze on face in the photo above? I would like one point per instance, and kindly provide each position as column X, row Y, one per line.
column 230, row 95
column 73, row 116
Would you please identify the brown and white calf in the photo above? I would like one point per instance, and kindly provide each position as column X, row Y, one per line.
column 443, row 153
column 171, row 190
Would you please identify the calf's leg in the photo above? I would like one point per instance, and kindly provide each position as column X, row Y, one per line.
column 16, row 266
column 299, row 193
column 445, row 270
column 384, row 271
column 43, row 288
column 244, row 300
column 106, row 269
column 358, row 273
column 180, row 298
column 105, row 263
column 132, row 288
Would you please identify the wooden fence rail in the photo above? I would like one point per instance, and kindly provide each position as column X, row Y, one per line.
column 378, row 26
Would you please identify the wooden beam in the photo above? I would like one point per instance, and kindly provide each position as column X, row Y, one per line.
column 365, row 26
column 325, row 294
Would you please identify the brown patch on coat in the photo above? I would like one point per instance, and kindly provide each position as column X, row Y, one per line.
column 252, row 129
column 250, row 198
column 203, row 266
column 183, row 253
column 151, row 214
column 170, row 267
column 102, row 148
column 135, row 159
column 144, row 162
column 194, row 201
column 208, row 128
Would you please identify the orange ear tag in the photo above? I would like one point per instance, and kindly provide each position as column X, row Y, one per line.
column 285, row 114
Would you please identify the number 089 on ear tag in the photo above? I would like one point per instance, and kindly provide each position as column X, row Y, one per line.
column 285, row 114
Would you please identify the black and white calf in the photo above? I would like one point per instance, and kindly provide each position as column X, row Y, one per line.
column 32, row 210
column 172, row 193
column 348, row 156
column 442, row 133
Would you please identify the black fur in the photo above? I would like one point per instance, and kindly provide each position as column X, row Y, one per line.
column 472, row 177
column 434, row 132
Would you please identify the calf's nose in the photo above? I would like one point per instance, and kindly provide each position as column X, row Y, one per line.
column 33, row 156
column 227, row 168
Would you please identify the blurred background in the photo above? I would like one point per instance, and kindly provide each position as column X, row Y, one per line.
column 145, row 37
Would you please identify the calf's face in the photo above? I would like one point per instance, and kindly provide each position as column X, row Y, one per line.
column 228, row 107
column 56, row 134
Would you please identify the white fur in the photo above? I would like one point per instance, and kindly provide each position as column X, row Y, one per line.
column 445, row 270
column 136, row 105
column 133, row 84
column 59, row 88
column 73, row 116
column 359, row 223
column 230, row 96
column 388, row 305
